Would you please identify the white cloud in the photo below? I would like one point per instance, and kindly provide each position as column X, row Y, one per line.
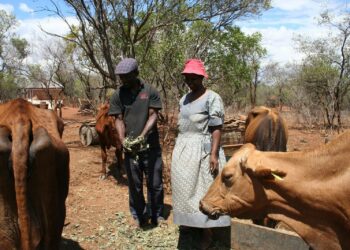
column 288, row 19
column 292, row 5
column 50, row 24
column 7, row 7
column 25, row 8
column 31, row 30
column 280, row 41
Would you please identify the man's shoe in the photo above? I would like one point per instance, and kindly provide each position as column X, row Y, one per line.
column 160, row 221
column 139, row 223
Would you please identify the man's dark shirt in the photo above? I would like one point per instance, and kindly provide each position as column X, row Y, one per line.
column 134, row 108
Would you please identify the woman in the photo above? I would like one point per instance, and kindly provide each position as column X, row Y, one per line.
column 197, row 157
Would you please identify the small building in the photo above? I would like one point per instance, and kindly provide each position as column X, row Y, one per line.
column 39, row 94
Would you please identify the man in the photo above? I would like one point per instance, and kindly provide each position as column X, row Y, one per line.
column 135, row 105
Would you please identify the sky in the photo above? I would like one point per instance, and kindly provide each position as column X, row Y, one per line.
column 279, row 26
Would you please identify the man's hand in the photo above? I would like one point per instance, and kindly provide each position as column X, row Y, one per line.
column 135, row 145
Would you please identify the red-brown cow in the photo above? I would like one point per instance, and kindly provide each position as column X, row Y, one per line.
column 34, row 177
column 108, row 136
column 307, row 190
column 266, row 129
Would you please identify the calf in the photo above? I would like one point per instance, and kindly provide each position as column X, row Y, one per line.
column 108, row 136
column 34, row 177
column 307, row 190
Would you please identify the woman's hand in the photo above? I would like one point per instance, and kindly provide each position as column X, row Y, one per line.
column 214, row 164
column 214, row 154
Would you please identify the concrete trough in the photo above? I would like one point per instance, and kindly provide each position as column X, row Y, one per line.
column 248, row 236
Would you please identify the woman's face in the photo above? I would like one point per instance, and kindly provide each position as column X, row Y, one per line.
column 193, row 81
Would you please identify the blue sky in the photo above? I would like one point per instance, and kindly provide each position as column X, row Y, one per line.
column 28, row 9
column 279, row 25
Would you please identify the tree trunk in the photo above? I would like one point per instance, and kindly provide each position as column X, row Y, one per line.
column 88, row 135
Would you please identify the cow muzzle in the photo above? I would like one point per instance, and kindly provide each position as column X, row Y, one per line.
column 208, row 210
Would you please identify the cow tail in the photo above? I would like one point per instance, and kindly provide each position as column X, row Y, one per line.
column 21, row 136
column 282, row 135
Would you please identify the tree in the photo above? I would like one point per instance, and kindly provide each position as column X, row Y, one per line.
column 318, row 78
column 109, row 30
column 233, row 62
column 280, row 77
column 12, row 52
column 7, row 22
column 342, row 60
column 333, row 55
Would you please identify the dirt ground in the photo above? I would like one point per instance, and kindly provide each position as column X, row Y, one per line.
column 97, row 210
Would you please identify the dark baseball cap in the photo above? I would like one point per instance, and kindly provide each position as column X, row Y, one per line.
column 126, row 66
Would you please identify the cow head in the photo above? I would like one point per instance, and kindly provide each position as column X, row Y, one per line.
column 255, row 112
column 266, row 129
column 239, row 190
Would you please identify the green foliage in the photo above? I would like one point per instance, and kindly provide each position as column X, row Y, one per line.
column 230, row 57
column 232, row 61
column 21, row 45
column 7, row 21
column 12, row 52
column 110, row 30
column 326, row 70
column 8, row 87
column 318, row 77
column 164, row 62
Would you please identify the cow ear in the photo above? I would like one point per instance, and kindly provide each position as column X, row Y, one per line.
column 259, row 110
column 269, row 174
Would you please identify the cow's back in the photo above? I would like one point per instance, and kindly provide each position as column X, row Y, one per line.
column 266, row 129
column 34, row 176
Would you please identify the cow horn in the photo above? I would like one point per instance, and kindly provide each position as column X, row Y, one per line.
column 246, row 151
column 243, row 161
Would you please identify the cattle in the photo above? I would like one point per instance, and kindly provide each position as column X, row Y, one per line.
column 34, row 177
column 108, row 136
column 307, row 190
column 266, row 129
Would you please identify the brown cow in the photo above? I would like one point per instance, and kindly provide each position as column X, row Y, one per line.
column 108, row 136
column 266, row 129
column 307, row 190
column 34, row 177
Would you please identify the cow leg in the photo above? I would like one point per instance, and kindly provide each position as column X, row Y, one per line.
column 9, row 232
column 104, row 162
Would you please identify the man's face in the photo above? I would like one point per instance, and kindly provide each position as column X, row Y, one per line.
column 193, row 81
column 128, row 79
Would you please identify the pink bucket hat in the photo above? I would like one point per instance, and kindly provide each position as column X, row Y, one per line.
column 194, row 66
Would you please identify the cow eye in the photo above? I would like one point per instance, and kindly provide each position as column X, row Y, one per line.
column 226, row 179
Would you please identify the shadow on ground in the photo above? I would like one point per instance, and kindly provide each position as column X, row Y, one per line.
column 68, row 244
column 190, row 238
